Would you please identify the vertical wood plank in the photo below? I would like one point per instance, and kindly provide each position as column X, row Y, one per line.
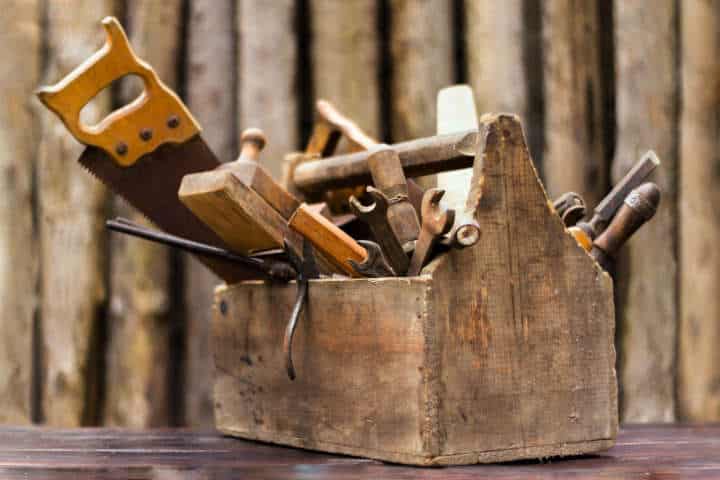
column 138, row 347
column 19, row 75
column 494, row 55
column 493, row 45
column 574, row 157
column 699, row 333
column 345, row 61
column 211, row 97
column 647, row 94
column 422, row 61
column 267, row 77
column 72, row 206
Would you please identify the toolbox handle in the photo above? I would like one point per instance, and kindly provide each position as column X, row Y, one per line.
column 156, row 117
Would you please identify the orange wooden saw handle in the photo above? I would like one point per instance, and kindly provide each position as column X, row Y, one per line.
column 156, row 117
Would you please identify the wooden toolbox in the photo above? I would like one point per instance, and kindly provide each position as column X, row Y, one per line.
column 498, row 352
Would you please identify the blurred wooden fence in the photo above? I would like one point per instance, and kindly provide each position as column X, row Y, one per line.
column 98, row 329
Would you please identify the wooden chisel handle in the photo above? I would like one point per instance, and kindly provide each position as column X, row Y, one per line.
column 329, row 239
column 639, row 207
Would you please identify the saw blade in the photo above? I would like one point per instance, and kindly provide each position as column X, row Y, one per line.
column 151, row 185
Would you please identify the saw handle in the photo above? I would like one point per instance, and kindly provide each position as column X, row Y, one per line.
column 156, row 117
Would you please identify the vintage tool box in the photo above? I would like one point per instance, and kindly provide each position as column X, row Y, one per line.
column 497, row 352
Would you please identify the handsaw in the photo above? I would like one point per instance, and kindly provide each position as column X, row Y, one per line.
column 144, row 149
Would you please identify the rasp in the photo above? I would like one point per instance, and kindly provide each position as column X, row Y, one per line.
column 144, row 149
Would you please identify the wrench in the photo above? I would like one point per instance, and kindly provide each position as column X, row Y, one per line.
column 375, row 265
column 436, row 221
column 375, row 216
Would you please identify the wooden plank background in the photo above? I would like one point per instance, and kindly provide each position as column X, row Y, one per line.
column 97, row 329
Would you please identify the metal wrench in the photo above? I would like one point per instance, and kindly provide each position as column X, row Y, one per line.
column 375, row 216
column 375, row 265
column 436, row 221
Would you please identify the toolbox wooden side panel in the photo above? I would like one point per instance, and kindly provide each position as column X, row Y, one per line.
column 526, row 354
column 359, row 353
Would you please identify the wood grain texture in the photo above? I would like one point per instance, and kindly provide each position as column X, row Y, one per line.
column 211, row 96
column 422, row 60
column 138, row 348
column 497, row 79
column 72, row 242
column 238, row 214
column 647, row 88
column 699, row 331
column 641, row 451
column 345, row 58
column 19, row 134
column 538, row 306
column 484, row 358
column 267, row 75
column 574, row 157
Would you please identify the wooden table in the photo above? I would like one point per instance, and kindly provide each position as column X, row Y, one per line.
column 642, row 452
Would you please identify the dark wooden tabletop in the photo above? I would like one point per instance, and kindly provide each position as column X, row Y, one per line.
column 642, row 452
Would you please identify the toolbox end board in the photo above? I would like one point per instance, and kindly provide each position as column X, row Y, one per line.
column 498, row 352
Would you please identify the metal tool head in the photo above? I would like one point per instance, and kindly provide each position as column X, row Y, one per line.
column 375, row 265
column 377, row 208
column 436, row 219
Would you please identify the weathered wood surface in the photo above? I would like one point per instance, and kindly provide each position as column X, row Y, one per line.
column 422, row 57
column 211, row 96
column 356, row 52
column 19, row 135
column 137, row 381
column 647, row 102
column 345, row 61
column 574, row 157
column 699, row 330
column 72, row 247
column 268, row 76
column 640, row 452
column 447, row 368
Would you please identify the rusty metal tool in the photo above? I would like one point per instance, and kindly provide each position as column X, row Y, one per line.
column 274, row 269
column 376, row 216
column 586, row 232
column 374, row 264
column 306, row 269
column 423, row 156
column 329, row 128
column 388, row 177
column 639, row 207
column 436, row 221
column 570, row 207
column 143, row 150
